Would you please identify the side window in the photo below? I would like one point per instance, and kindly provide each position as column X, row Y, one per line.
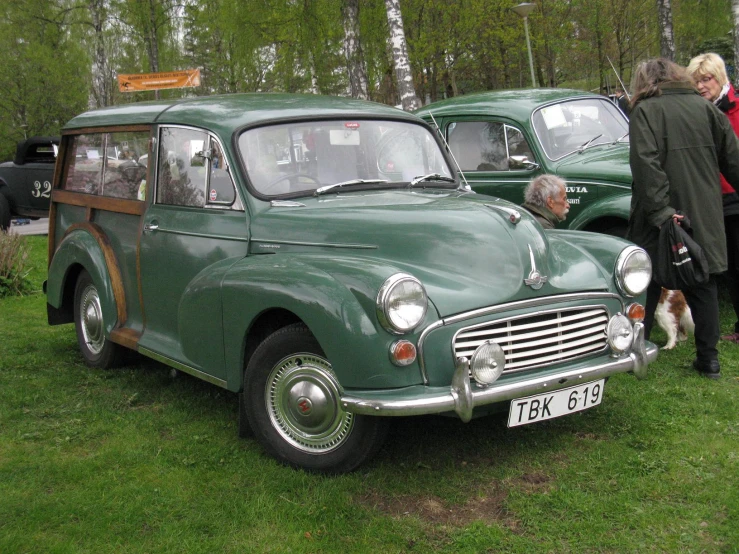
column 182, row 167
column 107, row 164
column 85, row 173
column 478, row 145
column 124, row 175
column 517, row 145
column 220, row 188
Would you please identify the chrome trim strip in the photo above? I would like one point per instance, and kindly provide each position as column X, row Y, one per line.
column 201, row 235
column 531, row 302
column 462, row 398
column 182, row 367
column 321, row 244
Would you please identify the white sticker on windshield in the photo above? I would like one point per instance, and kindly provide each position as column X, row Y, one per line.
column 553, row 116
column 344, row 137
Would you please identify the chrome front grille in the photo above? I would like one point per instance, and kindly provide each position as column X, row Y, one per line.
column 541, row 339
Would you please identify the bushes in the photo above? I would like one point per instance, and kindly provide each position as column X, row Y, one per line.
column 14, row 279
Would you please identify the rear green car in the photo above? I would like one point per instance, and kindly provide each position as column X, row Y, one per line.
column 503, row 139
column 318, row 257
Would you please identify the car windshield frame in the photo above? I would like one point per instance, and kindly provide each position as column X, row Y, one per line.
column 577, row 142
column 295, row 158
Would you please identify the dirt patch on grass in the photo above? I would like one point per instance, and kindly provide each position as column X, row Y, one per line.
column 486, row 505
column 535, row 482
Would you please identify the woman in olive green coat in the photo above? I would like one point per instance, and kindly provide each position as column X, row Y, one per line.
column 679, row 144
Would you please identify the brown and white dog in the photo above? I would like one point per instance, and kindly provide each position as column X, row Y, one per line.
column 673, row 315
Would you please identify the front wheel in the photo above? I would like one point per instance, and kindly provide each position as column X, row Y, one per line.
column 97, row 350
column 293, row 405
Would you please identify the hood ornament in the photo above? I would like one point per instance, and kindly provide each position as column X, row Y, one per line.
column 535, row 279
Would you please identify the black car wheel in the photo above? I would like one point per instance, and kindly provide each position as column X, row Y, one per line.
column 293, row 406
column 4, row 213
column 96, row 349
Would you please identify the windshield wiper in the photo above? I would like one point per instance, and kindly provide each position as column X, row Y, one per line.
column 619, row 139
column 327, row 188
column 430, row 177
column 584, row 145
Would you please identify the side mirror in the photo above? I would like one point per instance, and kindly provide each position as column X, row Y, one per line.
column 522, row 162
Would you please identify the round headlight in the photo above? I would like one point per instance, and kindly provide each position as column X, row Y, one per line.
column 487, row 363
column 401, row 303
column 633, row 271
column 620, row 333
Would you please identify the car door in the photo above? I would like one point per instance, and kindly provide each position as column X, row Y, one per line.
column 495, row 156
column 194, row 228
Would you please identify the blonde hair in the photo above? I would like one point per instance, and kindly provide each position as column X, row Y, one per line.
column 709, row 64
column 651, row 74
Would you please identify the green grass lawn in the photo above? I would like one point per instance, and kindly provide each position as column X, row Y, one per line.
column 136, row 460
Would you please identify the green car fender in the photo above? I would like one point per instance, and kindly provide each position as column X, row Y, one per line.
column 605, row 214
column 338, row 307
column 80, row 249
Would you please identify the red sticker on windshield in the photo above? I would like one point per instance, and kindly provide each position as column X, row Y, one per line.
column 351, row 125
column 213, row 195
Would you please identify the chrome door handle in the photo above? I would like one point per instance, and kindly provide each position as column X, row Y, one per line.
column 151, row 227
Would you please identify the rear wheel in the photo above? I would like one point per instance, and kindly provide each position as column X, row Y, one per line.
column 96, row 349
column 4, row 213
column 293, row 406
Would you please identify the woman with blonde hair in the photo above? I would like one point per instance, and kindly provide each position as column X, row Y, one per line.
column 679, row 145
column 709, row 74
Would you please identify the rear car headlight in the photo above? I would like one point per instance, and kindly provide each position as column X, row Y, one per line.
column 620, row 333
column 401, row 303
column 633, row 271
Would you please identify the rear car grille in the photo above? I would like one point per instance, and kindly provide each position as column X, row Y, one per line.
column 541, row 339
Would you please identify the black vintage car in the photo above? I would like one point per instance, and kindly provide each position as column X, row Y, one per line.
column 25, row 182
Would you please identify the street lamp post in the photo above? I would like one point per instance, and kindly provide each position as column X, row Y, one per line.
column 524, row 10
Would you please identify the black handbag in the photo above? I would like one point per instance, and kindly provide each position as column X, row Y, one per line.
column 681, row 263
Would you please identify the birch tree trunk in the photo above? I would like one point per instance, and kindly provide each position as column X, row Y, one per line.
column 666, row 38
column 735, row 11
column 100, row 93
column 353, row 50
column 403, row 75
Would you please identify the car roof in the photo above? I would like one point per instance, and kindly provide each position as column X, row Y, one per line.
column 224, row 113
column 517, row 103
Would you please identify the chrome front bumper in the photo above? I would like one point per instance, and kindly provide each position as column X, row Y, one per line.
column 463, row 396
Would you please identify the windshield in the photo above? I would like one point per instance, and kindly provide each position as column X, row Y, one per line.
column 567, row 127
column 298, row 158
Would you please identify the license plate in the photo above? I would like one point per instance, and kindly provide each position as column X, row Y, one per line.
column 554, row 404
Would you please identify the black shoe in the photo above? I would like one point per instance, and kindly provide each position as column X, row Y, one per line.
column 711, row 369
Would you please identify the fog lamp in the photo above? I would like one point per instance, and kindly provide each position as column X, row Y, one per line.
column 402, row 353
column 487, row 363
column 635, row 312
column 620, row 333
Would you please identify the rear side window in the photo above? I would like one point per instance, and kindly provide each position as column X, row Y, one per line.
column 108, row 164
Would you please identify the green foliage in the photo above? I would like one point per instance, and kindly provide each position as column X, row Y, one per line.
column 44, row 74
column 14, row 279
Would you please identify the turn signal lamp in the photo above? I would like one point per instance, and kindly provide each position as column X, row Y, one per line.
column 635, row 312
column 402, row 353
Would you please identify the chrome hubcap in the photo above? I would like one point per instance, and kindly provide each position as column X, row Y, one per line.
column 303, row 401
column 91, row 319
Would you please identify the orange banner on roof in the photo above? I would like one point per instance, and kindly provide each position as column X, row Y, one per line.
column 156, row 81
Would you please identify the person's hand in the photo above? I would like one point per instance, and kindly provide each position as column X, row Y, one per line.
column 678, row 218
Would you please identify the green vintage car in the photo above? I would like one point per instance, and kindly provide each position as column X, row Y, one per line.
column 318, row 257
column 503, row 139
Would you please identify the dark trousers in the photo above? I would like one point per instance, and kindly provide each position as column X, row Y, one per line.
column 703, row 303
column 731, row 225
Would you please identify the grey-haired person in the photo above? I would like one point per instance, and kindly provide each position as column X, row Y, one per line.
column 546, row 198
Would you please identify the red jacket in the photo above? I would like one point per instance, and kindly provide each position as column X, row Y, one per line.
column 733, row 114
